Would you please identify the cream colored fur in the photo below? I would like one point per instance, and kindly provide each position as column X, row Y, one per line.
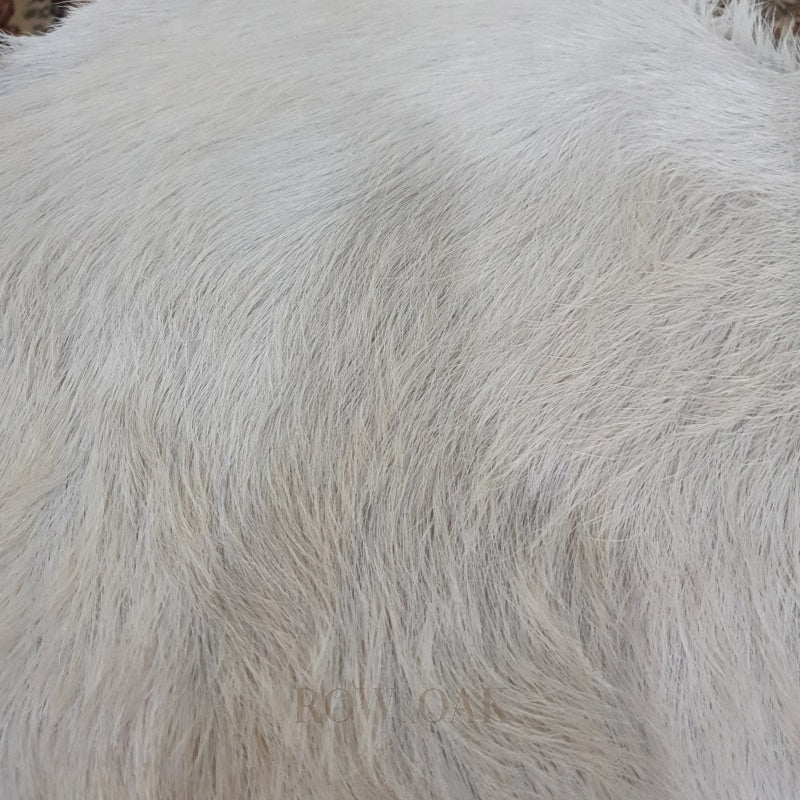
column 416, row 346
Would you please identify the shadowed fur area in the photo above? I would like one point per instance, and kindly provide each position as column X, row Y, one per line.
column 400, row 400
column 782, row 15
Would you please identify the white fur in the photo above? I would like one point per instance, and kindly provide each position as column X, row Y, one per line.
column 416, row 345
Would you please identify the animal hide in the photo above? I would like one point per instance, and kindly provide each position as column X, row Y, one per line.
column 400, row 400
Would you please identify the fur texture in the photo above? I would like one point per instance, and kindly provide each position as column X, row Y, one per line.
column 415, row 346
